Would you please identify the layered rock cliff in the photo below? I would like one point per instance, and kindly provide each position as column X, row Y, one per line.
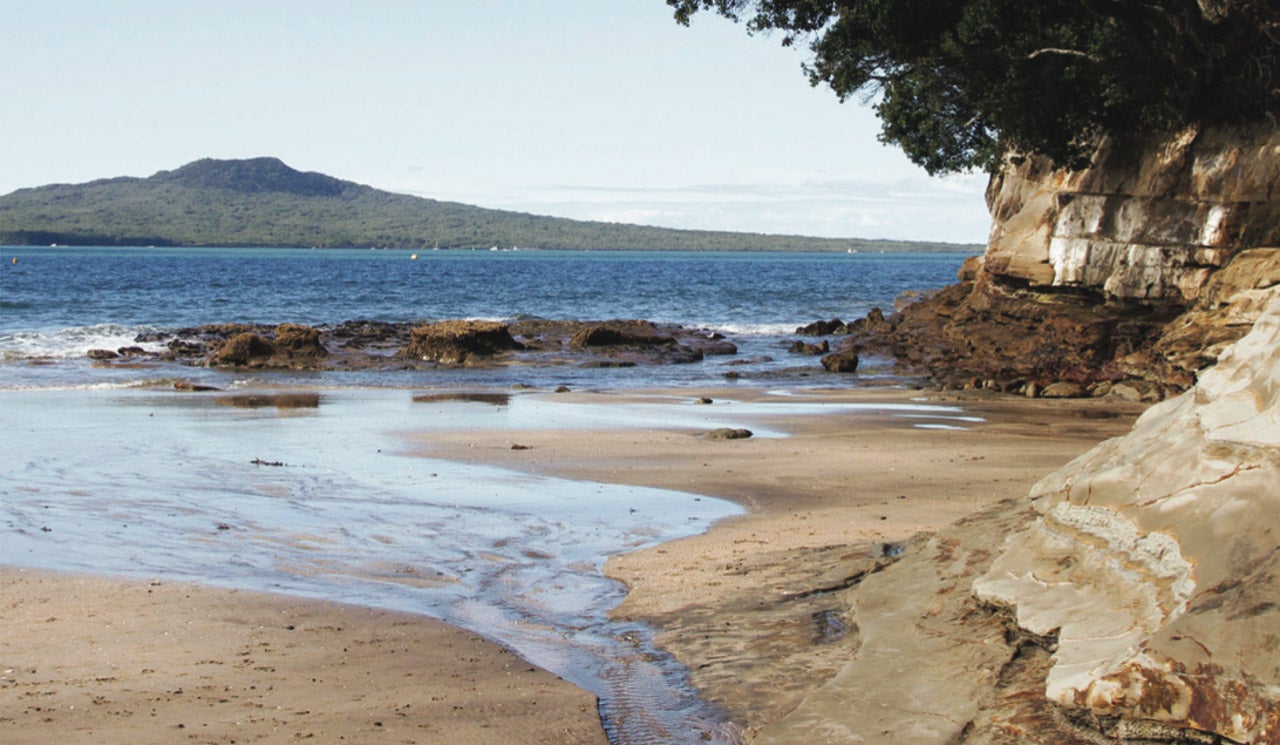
column 1134, row 599
column 1138, row 269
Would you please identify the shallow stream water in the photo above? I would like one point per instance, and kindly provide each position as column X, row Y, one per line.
column 313, row 494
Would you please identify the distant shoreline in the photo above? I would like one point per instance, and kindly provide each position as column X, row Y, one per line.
column 261, row 202
column 925, row 248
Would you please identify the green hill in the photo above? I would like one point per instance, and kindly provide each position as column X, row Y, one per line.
column 263, row 202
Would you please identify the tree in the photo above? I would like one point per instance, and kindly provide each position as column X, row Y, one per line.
column 961, row 84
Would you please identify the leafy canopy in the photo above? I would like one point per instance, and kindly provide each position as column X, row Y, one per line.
column 960, row 84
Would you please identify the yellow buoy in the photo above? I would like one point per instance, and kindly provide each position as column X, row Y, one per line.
column 414, row 257
column 15, row 260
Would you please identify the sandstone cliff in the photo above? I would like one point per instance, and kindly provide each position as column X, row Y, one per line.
column 1136, row 597
column 1138, row 269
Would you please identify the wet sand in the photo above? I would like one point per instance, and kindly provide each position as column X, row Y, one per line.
column 742, row 605
column 746, row 606
column 92, row 660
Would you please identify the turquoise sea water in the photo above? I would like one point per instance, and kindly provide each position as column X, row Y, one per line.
column 108, row 469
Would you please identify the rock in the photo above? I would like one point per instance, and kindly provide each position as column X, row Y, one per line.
column 298, row 343
column 727, row 433
column 243, row 350
column 823, row 328
column 133, row 352
column 1154, row 564
column 1134, row 598
column 457, row 342
column 1163, row 247
column 802, row 347
column 909, row 297
column 189, row 387
column 617, row 333
column 841, row 362
column 102, row 354
column 704, row 400
column 1063, row 389
column 1126, row 392
column 875, row 322
column 186, row 348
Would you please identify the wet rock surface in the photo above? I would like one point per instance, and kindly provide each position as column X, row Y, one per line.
column 458, row 342
column 376, row 345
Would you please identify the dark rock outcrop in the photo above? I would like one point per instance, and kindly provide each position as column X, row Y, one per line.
column 803, row 347
column 1138, row 269
column 823, row 328
column 841, row 362
column 299, row 343
column 459, row 342
column 245, row 349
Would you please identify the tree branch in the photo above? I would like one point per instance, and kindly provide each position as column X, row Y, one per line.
column 1063, row 52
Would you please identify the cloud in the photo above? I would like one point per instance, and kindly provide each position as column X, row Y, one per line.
column 913, row 208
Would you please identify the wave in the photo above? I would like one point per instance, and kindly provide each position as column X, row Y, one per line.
column 755, row 329
column 73, row 342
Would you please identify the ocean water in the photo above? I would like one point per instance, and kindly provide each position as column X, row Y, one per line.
column 304, row 482
column 57, row 303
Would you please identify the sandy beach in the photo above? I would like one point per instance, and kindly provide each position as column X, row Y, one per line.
column 96, row 660
column 745, row 605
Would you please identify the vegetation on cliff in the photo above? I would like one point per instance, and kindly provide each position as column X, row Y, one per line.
column 960, row 84
column 263, row 202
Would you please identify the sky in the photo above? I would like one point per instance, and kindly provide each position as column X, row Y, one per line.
column 587, row 109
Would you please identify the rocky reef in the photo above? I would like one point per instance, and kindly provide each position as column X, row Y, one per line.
column 1134, row 597
column 382, row 345
column 1137, row 270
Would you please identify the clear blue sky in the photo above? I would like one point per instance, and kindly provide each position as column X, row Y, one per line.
column 589, row 109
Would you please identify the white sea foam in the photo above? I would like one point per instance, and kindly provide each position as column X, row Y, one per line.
column 755, row 329
column 73, row 342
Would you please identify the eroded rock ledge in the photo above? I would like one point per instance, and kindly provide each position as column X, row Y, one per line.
column 1139, row 269
column 1135, row 598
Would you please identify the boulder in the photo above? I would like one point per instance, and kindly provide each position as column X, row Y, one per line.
column 803, row 347
column 243, row 350
column 457, row 342
column 186, row 348
column 1062, row 389
column 102, row 354
column 620, row 333
column 823, row 328
column 298, row 343
column 727, row 433
column 841, row 362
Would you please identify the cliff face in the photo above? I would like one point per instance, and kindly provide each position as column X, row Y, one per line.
column 1149, row 222
column 1137, row 270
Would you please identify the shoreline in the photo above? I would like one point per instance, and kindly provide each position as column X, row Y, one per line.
column 813, row 512
column 747, row 605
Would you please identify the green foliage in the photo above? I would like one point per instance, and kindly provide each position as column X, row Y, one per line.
column 263, row 202
column 960, row 84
